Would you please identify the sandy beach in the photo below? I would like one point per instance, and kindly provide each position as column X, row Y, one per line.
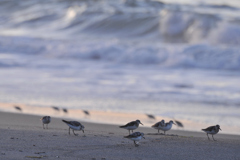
column 22, row 137
column 106, row 63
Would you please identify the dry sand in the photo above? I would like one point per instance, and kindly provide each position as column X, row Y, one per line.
column 22, row 137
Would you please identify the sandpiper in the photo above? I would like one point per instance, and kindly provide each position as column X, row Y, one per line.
column 46, row 120
column 150, row 116
column 131, row 125
column 86, row 112
column 136, row 136
column 166, row 126
column 178, row 123
column 55, row 108
column 74, row 125
column 18, row 108
column 65, row 110
column 212, row 130
column 159, row 125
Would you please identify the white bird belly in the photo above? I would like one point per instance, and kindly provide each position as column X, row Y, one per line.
column 130, row 127
column 136, row 139
column 74, row 127
column 166, row 128
column 211, row 132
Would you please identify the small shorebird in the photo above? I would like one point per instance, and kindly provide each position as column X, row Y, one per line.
column 212, row 130
column 65, row 110
column 150, row 116
column 136, row 136
column 46, row 120
column 165, row 127
column 131, row 125
column 178, row 123
column 86, row 112
column 18, row 108
column 55, row 108
column 74, row 125
column 159, row 125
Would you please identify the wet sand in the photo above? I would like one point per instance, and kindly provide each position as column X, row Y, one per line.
column 22, row 137
column 109, row 117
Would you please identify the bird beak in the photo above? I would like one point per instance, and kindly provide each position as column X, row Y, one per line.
column 220, row 128
column 144, row 137
column 83, row 131
column 141, row 123
column 174, row 123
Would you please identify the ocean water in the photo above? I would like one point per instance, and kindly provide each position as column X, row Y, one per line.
column 179, row 59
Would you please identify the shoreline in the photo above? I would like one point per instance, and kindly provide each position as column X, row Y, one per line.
column 23, row 137
column 108, row 117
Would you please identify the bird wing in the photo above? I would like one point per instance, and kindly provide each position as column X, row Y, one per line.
column 133, row 135
column 43, row 117
column 133, row 123
column 209, row 128
column 75, row 123
column 156, row 124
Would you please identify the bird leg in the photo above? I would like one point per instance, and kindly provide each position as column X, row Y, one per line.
column 69, row 131
column 129, row 132
column 43, row 126
column 136, row 145
column 208, row 137
column 47, row 126
column 164, row 132
column 158, row 131
column 74, row 133
column 213, row 138
column 132, row 131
